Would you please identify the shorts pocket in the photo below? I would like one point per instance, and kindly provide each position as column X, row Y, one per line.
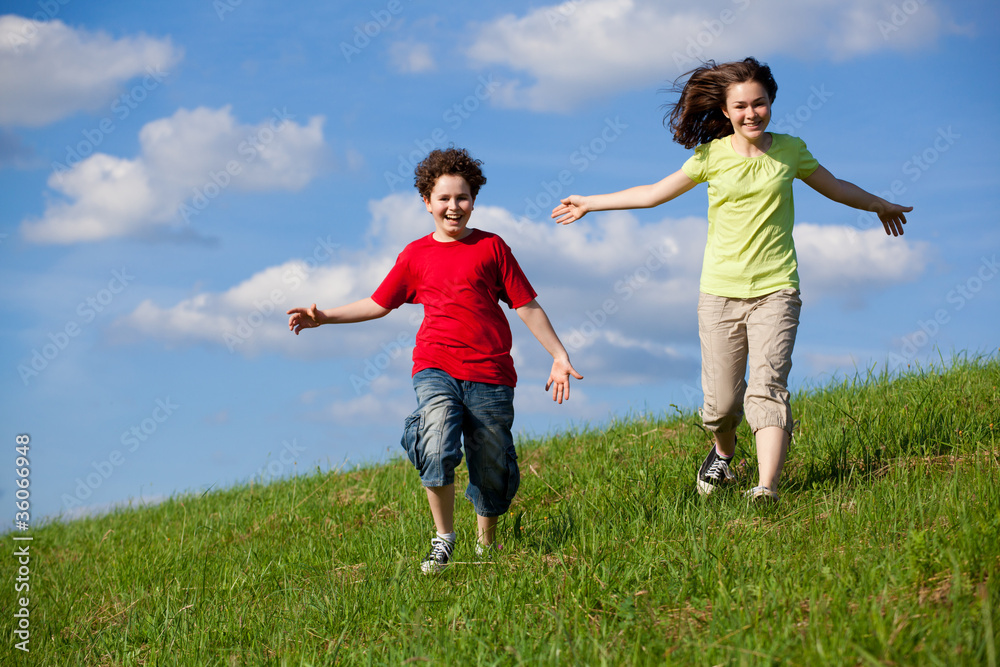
column 513, row 476
column 412, row 428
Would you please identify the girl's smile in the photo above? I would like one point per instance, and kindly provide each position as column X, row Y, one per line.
column 748, row 108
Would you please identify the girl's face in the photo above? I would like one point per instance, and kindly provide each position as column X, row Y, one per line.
column 748, row 108
column 451, row 205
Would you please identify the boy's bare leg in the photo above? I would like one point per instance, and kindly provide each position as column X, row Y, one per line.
column 442, row 502
column 772, row 447
column 725, row 443
column 487, row 529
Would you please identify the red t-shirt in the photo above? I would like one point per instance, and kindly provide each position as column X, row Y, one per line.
column 459, row 283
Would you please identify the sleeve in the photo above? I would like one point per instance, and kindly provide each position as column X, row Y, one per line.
column 396, row 288
column 807, row 163
column 696, row 166
column 515, row 291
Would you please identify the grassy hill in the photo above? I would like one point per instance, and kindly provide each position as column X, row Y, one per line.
column 885, row 549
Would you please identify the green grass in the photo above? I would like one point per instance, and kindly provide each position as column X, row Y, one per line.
column 885, row 549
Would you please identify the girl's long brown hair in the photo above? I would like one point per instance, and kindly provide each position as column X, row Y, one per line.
column 697, row 118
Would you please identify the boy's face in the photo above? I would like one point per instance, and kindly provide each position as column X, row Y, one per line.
column 451, row 205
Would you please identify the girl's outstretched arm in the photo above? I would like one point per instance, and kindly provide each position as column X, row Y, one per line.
column 575, row 207
column 359, row 311
column 843, row 192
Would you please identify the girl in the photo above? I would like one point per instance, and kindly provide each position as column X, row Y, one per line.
column 748, row 306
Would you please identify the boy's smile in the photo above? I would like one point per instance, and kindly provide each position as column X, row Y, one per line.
column 451, row 203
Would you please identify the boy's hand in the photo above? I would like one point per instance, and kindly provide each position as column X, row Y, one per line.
column 559, row 379
column 303, row 318
column 571, row 209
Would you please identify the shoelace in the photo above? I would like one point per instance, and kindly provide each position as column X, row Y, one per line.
column 440, row 549
column 718, row 469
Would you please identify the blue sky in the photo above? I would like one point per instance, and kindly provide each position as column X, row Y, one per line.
column 174, row 177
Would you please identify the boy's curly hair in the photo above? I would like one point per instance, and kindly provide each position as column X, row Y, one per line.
column 450, row 161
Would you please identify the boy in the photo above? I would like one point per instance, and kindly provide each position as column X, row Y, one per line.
column 463, row 373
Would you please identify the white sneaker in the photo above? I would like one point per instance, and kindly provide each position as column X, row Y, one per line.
column 488, row 550
column 437, row 558
column 761, row 495
column 714, row 473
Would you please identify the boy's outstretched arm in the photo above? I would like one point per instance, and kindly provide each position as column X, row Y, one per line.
column 574, row 207
column 538, row 323
column 843, row 192
column 359, row 311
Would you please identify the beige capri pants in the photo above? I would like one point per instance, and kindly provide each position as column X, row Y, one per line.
column 734, row 332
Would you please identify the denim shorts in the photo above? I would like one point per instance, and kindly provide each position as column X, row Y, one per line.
column 450, row 411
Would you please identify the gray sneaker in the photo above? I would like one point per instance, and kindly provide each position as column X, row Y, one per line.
column 714, row 472
column 761, row 495
column 437, row 558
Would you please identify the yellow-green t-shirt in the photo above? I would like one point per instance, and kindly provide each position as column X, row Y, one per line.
column 750, row 251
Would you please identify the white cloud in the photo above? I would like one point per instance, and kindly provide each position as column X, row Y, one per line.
column 609, row 281
column 843, row 261
column 185, row 162
column 49, row 71
column 588, row 49
column 80, row 511
column 385, row 398
column 622, row 295
column 250, row 317
column 609, row 270
column 411, row 57
column 825, row 362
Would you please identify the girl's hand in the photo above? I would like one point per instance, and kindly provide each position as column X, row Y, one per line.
column 892, row 218
column 559, row 379
column 571, row 209
column 303, row 318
